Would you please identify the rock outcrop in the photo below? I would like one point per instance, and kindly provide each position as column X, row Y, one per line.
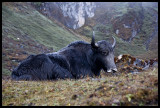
column 71, row 14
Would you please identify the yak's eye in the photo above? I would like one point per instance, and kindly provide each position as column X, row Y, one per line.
column 105, row 52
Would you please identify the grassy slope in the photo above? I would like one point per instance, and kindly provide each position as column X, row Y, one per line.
column 128, row 48
column 124, row 90
column 153, row 50
column 31, row 22
column 25, row 31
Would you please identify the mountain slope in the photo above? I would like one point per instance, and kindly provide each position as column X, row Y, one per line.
column 25, row 31
column 31, row 22
column 133, row 23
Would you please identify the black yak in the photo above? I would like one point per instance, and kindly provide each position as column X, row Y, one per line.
column 77, row 60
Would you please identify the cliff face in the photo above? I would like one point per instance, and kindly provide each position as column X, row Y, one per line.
column 71, row 14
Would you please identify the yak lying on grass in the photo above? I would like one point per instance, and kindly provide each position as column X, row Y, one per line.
column 77, row 60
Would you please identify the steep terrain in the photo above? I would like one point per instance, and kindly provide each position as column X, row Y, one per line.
column 71, row 14
column 25, row 31
column 134, row 23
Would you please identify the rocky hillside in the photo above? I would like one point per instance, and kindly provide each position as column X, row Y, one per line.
column 133, row 22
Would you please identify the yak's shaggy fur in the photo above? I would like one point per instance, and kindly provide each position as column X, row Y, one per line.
column 77, row 60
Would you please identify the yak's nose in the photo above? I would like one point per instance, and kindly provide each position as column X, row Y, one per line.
column 112, row 70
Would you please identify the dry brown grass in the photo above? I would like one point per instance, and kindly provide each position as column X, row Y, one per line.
column 122, row 90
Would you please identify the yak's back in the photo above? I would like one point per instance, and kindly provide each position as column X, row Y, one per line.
column 77, row 45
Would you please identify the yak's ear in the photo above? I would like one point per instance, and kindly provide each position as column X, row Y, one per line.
column 93, row 44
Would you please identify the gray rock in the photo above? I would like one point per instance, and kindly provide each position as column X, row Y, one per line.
column 72, row 14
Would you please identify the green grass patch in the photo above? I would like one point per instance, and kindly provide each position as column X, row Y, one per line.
column 38, row 27
column 5, row 71
column 132, row 48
